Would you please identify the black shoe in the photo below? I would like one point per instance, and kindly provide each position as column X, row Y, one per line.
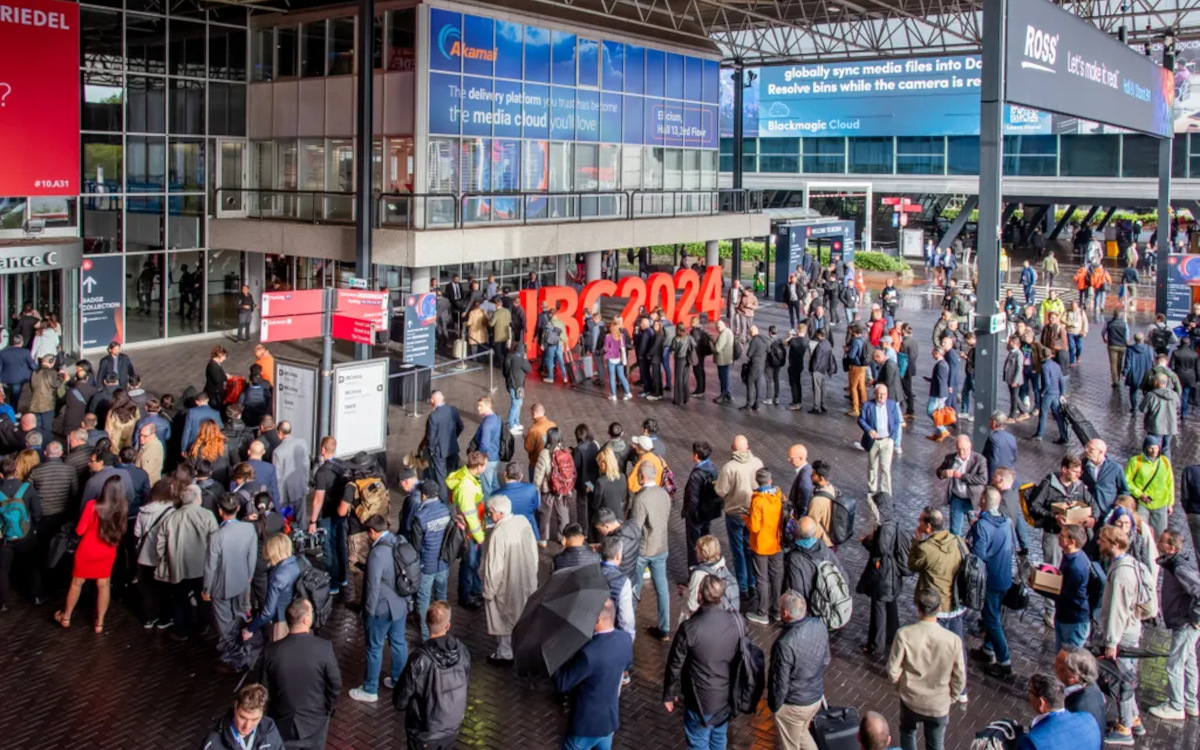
column 1061, row 441
column 987, row 657
column 177, row 637
column 496, row 661
column 1002, row 671
column 223, row 668
column 472, row 604
column 746, row 407
column 814, row 411
column 661, row 635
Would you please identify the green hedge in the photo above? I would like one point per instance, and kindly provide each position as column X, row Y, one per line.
column 752, row 251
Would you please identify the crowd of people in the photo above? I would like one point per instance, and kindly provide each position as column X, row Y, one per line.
column 212, row 522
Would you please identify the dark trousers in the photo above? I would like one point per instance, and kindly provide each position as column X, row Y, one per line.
column 243, row 329
column 768, row 572
column 755, row 388
column 693, row 531
column 644, row 369
column 885, row 621
column 796, row 383
column 698, row 374
column 793, row 306
column 654, row 371
column 1014, row 401
column 17, row 554
column 155, row 595
column 723, row 377
column 315, row 741
column 681, row 394
column 911, row 721
column 910, row 404
column 445, row 743
column 46, row 530
column 501, row 349
column 773, row 381
column 182, row 596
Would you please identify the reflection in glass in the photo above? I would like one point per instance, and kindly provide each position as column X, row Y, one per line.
column 285, row 55
column 187, row 49
column 12, row 213
column 145, row 47
column 103, row 101
column 56, row 212
column 144, row 223
column 100, row 39
column 185, row 294
column 102, row 224
column 146, row 107
column 401, row 52
column 102, row 164
column 264, row 54
column 143, row 296
column 312, row 49
column 187, row 107
column 341, row 46
column 185, row 221
column 187, row 165
column 227, row 53
column 223, row 282
column 312, row 176
column 145, row 164
column 340, row 171
column 226, row 109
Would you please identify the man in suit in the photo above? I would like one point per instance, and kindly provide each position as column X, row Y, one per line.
column 887, row 372
column 1001, row 447
column 384, row 612
column 1053, row 389
column 880, row 423
column 264, row 471
column 593, row 679
column 1055, row 727
column 116, row 362
column 195, row 417
column 228, row 568
column 940, row 391
column 965, row 472
column 802, row 489
column 454, row 293
column 301, row 673
column 442, row 428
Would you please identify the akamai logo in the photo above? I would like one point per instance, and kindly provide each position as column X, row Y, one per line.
column 451, row 46
column 1042, row 47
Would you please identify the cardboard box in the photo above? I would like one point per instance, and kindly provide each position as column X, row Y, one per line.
column 1047, row 583
column 1073, row 513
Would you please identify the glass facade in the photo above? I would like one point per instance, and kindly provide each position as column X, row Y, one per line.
column 161, row 84
column 1066, row 155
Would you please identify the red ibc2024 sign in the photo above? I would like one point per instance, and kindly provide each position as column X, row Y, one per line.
column 39, row 98
column 681, row 296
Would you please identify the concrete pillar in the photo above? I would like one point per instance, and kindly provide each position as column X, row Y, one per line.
column 712, row 253
column 563, row 263
column 421, row 278
column 1051, row 219
column 593, row 265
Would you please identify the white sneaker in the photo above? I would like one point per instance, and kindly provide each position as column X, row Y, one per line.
column 1193, row 712
column 627, row 397
column 859, row 446
column 516, row 430
column 362, row 696
column 1166, row 713
column 899, row 451
column 757, row 619
column 961, row 698
column 612, row 398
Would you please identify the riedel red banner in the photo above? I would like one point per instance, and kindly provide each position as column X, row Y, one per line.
column 39, row 97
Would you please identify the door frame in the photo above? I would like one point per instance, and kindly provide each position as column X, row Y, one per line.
column 222, row 212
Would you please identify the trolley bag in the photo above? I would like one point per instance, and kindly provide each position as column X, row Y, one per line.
column 1082, row 428
column 835, row 728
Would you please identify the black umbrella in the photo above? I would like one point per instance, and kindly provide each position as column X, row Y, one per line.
column 559, row 619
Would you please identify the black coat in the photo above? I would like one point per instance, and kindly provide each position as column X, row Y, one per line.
column 889, row 375
column 1185, row 363
column 800, row 568
column 799, row 659
column 214, row 384
column 221, row 736
column 701, row 480
column 433, row 690
column 797, row 350
column 631, row 547
column 756, row 355
column 302, row 676
column 586, row 469
column 442, row 428
column 1180, row 591
column 75, row 405
column 516, row 367
column 700, row 663
column 822, row 360
column 887, row 563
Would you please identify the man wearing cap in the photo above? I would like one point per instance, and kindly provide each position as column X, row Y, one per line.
column 410, row 489
column 643, row 445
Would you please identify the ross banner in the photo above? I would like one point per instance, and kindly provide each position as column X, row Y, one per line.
column 290, row 327
column 1057, row 62
column 420, row 329
column 303, row 302
column 360, row 406
column 358, row 330
column 39, row 98
column 101, row 300
column 296, row 399
column 370, row 306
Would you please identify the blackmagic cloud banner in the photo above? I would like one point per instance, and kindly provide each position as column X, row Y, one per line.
column 1057, row 62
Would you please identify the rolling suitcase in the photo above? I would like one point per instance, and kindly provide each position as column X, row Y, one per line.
column 1079, row 424
column 835, row 728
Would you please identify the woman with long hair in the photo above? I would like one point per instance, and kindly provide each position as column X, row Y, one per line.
column 154, row 594
column 100, row 529
column 122, row 418
column 610, row 489
column 553, row 504
column 26, row 460
column 281, row 579
column 586, row 470
column 617, row 356
column 212, row 446
column 215, row 377
column 266, row 523
column 48, row 339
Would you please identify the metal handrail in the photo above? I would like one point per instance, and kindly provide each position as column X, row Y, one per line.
column 448, row 210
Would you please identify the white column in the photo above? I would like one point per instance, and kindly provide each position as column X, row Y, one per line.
column 592, row 265
column 712, row 253
column 421, row 278
column 560, row 273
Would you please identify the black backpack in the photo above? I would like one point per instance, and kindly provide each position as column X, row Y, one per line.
column 506, row 442
column 1160, row 338
column 710, row 507
column 748, row 673
column 313, row 585
column 776, row 355
column 408, row 566
column 841, row 518
column 455, row 538
column 970, row 585
column 738, row 351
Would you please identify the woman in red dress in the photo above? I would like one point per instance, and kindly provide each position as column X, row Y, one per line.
column 100, row 529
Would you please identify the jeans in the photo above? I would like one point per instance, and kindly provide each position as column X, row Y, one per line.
column 334, row 548
column 935, row 729
column 617, row 370
column 488, row 479
column 243, row 329
column 1184, row 400
column 1098, row 303
column 1074, row 346
column 1030, row 296
column 723, row 378
column 514, row 410
column 959, row 508
column 380, row 629
column 968, row 390
column 993, row 628
column 1133, row 398
column 1181, row 668
column 658, row 574
column 571, row 742
column 1071, row 634
column 552, row 356
column 45, row 420
column 701, row 737
column 433, row 588
column 739, row 550
column 1127, row 710
column 470, row 587
column 934, row 404
column 1051, row 403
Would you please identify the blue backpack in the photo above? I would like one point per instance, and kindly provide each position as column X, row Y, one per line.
column 14, row 515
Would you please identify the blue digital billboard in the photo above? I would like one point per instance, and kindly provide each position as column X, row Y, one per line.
column 504, row 80
column 925, row 96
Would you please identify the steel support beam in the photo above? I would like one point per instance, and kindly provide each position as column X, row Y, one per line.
column 991, row 156
column 1062, row 223
column 739, row 89
column 364, row 151
column 1165, row 149
column 1107, row 216
column 959, row 222
column 1038, row 217
column 1087, row 219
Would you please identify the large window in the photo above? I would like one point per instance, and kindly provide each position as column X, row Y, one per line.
column 870, row 155
column 341, row 46
column 312, row 49
column 823, row 155
column 103, row 101
column 779, row 155
column 1090, row 155
column 962, row 154
column 920, row 155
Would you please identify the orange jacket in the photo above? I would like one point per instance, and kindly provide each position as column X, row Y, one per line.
column 1081, row 278
column 1100, row 278
column 766, row 510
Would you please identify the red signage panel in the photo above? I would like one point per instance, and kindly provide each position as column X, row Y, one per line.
column 370, row 306
column 39, row 98
column 304, row 302
column 353, row 329
column 290, row 327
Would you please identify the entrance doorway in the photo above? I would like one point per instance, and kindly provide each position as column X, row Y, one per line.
column 42, row 289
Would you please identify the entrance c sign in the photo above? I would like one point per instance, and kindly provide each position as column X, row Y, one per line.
column 681, row 296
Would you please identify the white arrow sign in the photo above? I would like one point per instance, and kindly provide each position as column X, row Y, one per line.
column 88, row 284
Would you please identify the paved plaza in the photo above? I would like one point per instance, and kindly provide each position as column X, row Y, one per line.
column 133, row 689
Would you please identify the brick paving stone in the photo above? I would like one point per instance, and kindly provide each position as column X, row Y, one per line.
column 132, row 689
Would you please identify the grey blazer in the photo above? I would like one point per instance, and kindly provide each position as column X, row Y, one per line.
column 229, row 564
